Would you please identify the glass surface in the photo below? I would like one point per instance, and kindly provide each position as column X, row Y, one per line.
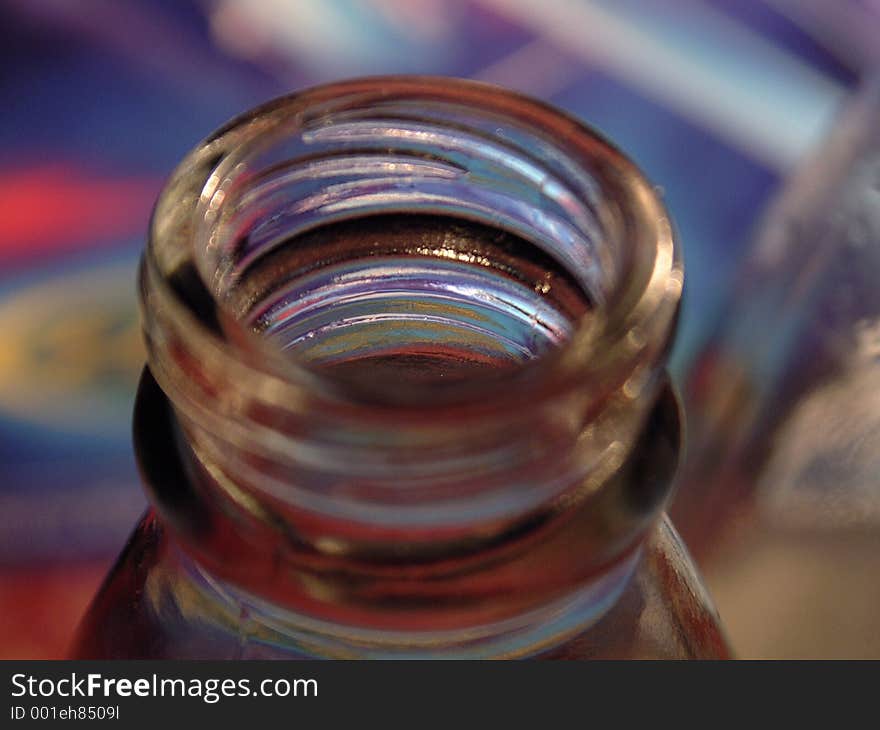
column 406, row 391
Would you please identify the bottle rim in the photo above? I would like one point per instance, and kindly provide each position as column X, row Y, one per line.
column 618, row 348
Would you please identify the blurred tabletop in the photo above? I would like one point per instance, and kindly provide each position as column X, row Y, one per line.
column 716, row 101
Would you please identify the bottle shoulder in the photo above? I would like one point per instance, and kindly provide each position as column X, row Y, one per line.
column 664, row 613
column 150, row 607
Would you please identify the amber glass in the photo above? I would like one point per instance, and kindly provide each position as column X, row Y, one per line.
column 406, row 392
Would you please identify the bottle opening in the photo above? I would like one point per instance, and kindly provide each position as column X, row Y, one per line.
column 410, row 300
column 417, row 303
column 402, row 232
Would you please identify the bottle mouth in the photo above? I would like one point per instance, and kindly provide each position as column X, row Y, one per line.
column 419, row 306
column 392, row 375
column 228, row 243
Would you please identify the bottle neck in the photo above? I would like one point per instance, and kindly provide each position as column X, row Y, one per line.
column 522, row 588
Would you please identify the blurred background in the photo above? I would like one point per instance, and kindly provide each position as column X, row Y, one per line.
column 727, row 105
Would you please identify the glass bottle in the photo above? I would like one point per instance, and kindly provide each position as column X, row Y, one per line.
column 781, row 492
column 406, row 392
